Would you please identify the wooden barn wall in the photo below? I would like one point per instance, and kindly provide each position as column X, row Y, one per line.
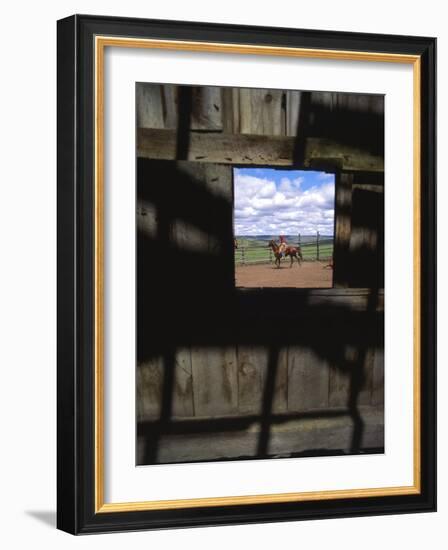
column 329, row 349
column 268, row 112
column 312, row 129
column 231, row 381
column 359, row 230
column 327, row 353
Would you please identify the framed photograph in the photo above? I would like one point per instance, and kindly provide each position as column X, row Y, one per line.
column 246, row 274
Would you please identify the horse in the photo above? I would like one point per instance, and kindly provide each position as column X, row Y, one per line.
column 291, row 251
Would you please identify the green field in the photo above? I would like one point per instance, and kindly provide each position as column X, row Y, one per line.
column 252, row 250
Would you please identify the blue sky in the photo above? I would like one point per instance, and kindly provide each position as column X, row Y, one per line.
column 271, row 202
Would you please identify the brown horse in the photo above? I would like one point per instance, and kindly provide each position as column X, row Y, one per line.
column 291, row 251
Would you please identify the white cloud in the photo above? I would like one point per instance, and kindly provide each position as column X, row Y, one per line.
column 290, row 186
column 268, row 190
column 262, row 207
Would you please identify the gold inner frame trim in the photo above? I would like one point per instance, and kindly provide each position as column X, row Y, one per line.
column 101, row 42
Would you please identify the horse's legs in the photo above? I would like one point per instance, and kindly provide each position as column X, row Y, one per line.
column 294, row 255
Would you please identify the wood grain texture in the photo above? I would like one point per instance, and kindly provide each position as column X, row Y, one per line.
column 214, row 381
column 343, row 225
column 252, row 370
column 339, row 387
column 217, row 148
column 308, row 380
column 206, row 111
column 321, row 152
column 150, row 379
column 170, row 105
column 149, row 105
column 280, row 401
column 183, row 405
column 253, row 365
column 254, row 149
column 216, row 179
column 293, row 100
column 362, row 103
column 367, row 357
column 230, row 110
column 149, row 382
column 260, row 112
column 378, row 381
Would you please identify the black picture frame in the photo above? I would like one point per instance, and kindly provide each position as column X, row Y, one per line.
column 77, row 512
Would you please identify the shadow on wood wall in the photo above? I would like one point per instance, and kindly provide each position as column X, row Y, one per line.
column 214, row 359
column 191, row 320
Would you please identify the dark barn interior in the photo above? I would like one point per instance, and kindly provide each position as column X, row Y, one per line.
column 231, row 373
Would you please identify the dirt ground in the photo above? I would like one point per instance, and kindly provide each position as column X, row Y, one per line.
column 308, row 275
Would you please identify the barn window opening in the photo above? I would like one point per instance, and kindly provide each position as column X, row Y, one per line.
column 283, row 224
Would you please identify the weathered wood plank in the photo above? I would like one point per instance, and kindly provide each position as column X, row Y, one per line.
column 218, row 148
column 149, row 105
column 187, row 236
column 293, row 99
column 236, row 110
column 353, row 373
column 146, row 218
column 206, row 108
column 184, row 234
column 308, row 380
column 339, row 387
column 252, row 149
column 366, row 363
column 366, row 250
column 207, row 374
column 149, row 382
column 218, row 181
column 150, row 387
column 322, row 152
column 253, row 365
column 261, row 112
column 215, row 178
column 230, row 110
column 362, row 103
column 326, row 99
column 170, row 105
column 280, row 403
column 245, row 111
column 378, row 377
column 343, row 227
column 183, row 405
column 215, row 383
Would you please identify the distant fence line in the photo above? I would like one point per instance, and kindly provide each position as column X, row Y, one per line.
column 257, row 251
